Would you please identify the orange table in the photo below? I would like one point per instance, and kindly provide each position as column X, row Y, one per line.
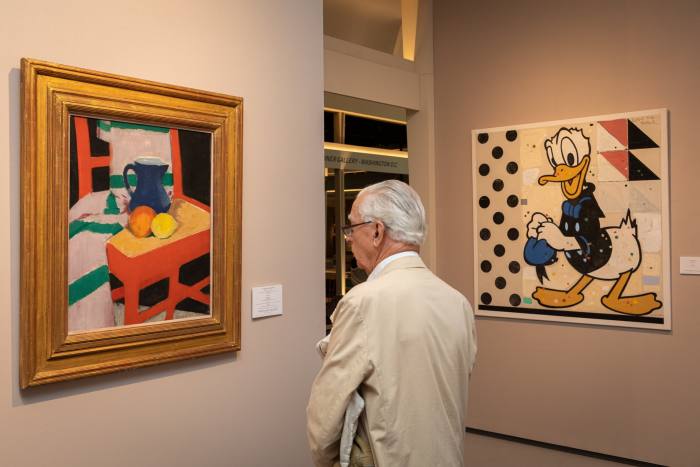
column 140, row 262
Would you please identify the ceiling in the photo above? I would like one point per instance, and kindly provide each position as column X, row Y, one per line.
column 371, row 23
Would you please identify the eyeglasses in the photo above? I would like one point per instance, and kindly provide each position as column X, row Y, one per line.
column 347, row 229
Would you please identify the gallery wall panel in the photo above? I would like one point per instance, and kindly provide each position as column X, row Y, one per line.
column 625, row 392
column 223, row 410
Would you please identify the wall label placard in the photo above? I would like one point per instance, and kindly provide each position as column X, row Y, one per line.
column 690, row 265
column 267, row 301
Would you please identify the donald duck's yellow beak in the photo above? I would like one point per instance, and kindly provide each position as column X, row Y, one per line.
column 571, row 178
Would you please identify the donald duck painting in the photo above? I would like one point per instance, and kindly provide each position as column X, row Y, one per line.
column 610, row 253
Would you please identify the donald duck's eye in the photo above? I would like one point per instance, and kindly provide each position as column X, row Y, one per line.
column 569, row 151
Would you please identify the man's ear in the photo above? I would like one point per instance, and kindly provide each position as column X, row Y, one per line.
column 379, row 233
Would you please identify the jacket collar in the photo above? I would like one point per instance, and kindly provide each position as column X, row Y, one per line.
column 407, row 262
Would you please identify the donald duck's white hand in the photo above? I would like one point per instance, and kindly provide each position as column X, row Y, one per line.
column 535, row 222
column 554, row 237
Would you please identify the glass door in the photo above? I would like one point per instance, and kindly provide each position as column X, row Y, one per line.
column 359, row 150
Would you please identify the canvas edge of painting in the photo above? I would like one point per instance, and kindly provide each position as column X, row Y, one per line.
column 665, row 225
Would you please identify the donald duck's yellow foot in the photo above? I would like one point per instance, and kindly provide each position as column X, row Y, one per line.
column 634, row 305
column 556, row 298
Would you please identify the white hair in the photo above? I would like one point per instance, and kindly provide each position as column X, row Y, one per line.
column 399, row 208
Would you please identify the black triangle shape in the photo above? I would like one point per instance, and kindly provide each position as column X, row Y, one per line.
column 637, row 139
column 639, row 171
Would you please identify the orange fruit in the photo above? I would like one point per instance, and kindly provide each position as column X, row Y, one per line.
column 140, row 221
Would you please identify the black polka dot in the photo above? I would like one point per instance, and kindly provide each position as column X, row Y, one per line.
column 513, row 233
column 512, row 167
column 485, row 234
column 497, row 184
column 497, row 152
column 514, row 267
column 513, row 201
column 486, row 266
column 485, row 298
column 499, row 250
column 484, row 202
column 511, row 135
column 514, row 299
column 498, row 218
column 484, row 169
column 482, row 138
column 500, row 282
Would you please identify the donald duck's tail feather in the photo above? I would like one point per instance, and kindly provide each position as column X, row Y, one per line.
column 629, row 223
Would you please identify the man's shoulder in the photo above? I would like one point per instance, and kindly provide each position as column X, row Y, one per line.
column 361, row 295
column 358, row 292
column 353, row 298
column 409, row 277
column 400, row 282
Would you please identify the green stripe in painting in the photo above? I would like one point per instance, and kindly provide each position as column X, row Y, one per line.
column 105, row 125
column 78, row 226
column 117, row 181
column 81, row 288
column 111, row 207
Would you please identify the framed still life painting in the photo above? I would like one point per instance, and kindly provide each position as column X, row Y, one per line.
column 571, row 221
column 131, row 223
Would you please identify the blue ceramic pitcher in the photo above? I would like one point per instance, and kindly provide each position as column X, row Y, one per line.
column 149, row 184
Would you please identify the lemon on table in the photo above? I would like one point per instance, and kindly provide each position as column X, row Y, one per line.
column 163, row 225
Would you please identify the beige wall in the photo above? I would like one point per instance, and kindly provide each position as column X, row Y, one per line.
column 246, row 410
column 357, row 71
column 623, row 392
column 421, row 132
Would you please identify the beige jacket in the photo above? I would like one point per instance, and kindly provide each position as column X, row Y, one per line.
column 406, row 341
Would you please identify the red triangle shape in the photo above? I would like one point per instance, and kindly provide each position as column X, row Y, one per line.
column 617, row 128
column 619, row 160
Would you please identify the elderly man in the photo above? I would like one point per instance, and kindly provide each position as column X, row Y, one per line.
column 404, row 340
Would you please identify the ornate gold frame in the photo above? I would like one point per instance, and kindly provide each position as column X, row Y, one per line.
column 50, row 94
